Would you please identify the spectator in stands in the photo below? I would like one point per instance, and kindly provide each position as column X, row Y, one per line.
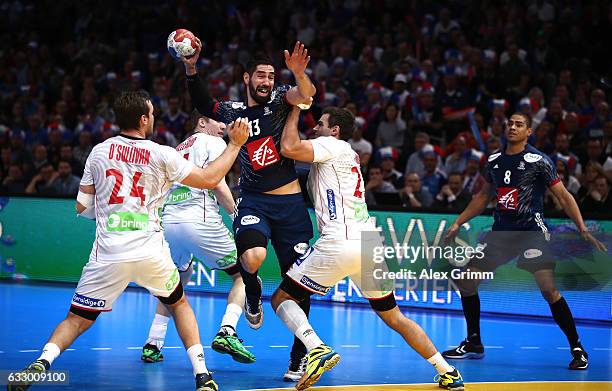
column 575, row 136
column 473, row 180
column 493, row 144
column 14, row 182
column 457, row 160
column 391, row 129
column 562, row 149
column 433, row 178
column 413, row 195
column 387, row 158
column 42, row 183
column 376, row 184
column 35, row 132
column 452, row 197
column 602, row 115
column 595, row 153
column 40, row 157
column 598, row 199
column 570, row 182
column 65, row 184
column 541, row 138
column 174, row 119
column 83, row 149
column 591, row 171
column 66, row 154
column 360, row 145
column 415, row 161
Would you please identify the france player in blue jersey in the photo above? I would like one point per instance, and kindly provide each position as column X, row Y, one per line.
column 271, row 206
column 518, row 176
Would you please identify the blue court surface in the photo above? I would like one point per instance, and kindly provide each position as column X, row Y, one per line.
column 108, row 355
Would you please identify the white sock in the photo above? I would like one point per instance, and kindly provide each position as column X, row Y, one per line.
column 440, row 364
column 157, row 332
column 50, row 352
column 196, row 355
column 230, row 318
column 295, row 319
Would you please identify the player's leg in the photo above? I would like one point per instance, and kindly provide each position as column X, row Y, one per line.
column 496, row 252
column 315, row 272
column 161, row 278
column 227, row 340
column 291, row 233
column 563, row 317
column 251, row 232
column 99, row 286
column 320, row 357
column 179, row 238
column 387, row 309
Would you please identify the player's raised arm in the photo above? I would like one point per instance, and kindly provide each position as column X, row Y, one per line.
column 475, row 208
column 297, row 62
column 199, row 93
column 291, row 145
column 224, row 196
column 210, row 176
column 570, row 207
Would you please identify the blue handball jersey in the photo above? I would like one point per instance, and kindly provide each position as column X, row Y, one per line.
column 520, row 182
column 262, row 167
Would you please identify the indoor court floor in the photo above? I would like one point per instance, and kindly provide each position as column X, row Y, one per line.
column 521, row 353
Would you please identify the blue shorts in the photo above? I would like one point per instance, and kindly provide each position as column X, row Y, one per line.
column 282, row 219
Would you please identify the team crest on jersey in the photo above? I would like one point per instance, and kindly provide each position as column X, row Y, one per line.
column 507, row 198
column 267, row 111
column 238, row 105
column 262, row 152
column 521, row 165
column 494, row 156
column 532, row 157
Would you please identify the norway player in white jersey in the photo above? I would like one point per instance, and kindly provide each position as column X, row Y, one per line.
column 123, row 187
column 336, row 188
column 193, row 227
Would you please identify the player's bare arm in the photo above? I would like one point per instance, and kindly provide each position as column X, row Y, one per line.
column 210, row 176
column 85, row 204
column 291, row 145
column 224, row 196
column 475, row 208
column 297, row 62
column 568, row 203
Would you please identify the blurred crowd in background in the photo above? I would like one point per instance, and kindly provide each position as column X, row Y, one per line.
column 431, row 84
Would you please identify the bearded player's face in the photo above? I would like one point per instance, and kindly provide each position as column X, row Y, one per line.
column 261, row 83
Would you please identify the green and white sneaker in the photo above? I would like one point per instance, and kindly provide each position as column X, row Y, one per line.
column 151, row 353
column 230, row 344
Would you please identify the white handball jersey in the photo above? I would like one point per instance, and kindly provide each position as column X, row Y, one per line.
column 337, row 190
column 188, row 204
column 131, row 177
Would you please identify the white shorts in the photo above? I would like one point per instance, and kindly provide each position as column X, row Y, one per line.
column 101, row 283
column 330, row 261
column 211, row 243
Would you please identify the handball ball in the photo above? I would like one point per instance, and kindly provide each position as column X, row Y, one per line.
column 181, row 43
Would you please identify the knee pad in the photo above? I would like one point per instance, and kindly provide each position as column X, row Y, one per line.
column 87, row 314
column 174, row 297
column 249, row 239
column 383, row 304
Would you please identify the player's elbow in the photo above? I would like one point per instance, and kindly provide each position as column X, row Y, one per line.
column 289, row 150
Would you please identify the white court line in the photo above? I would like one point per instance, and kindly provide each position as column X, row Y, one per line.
column 248, row 346
column 602, row 348
column 70, row 350
column 134, row 347
column 349, row 346
column 209, row 347
column 562, row 348
column 101, row 348
column 28, row 351
column 1, row 352
column 494, row 347
column 529, row 347
column 279, row 346
column 385, row 346
column 174, row 347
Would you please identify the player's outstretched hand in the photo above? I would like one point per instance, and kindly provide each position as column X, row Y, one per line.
column 239, row 131
column 190, row 62
column 596, row 243
column 452, row 232
column 298, row 60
